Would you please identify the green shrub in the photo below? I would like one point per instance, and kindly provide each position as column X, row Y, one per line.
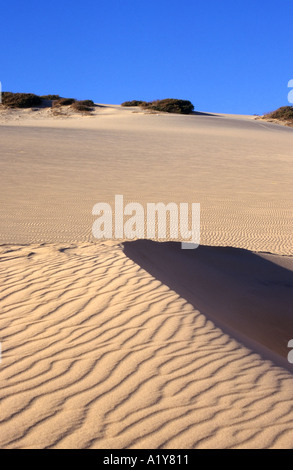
column 285, row 113
column 20, row 100
column 132, row 103
column 170, row 105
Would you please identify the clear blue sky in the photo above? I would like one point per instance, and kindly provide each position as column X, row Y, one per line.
column 227, row 56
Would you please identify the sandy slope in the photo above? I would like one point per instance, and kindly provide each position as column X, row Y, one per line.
column 99, row 353
column 142, row 345
column 54, row 170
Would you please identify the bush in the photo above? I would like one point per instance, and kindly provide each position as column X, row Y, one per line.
column 20, row 100
column 132, row 103
column 63, row 102
column 83, row 106
column 170, row 105
column 285, row 113
column 29, row 100
column 50, row 97
column 86, row 102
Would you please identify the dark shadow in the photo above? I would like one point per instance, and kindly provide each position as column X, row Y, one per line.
column 42, row 105
column 248, row 295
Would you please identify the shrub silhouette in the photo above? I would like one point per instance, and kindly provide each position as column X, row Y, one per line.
column 132, row 103
column 29, row 100
column 20, row 100
column 285, row 113
column 50, row 97
column 84, row 106
column 170, row 105
column 86, row 102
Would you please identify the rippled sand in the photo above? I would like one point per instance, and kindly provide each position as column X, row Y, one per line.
column 140, row 344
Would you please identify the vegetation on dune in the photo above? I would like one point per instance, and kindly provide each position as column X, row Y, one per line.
column 168, row 105
column 29, row 100
column 50, row 97
column 132, row 103
column 87, row 102
column 285, row 113
column 63, row 102
column 84, row 106
column 20, row 100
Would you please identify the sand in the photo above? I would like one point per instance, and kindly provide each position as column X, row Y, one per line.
column 139, row 344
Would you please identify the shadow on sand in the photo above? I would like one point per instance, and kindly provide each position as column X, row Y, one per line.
column 249, row 295
column 199, row 113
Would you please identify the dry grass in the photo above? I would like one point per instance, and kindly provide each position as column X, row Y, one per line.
column 285, row 113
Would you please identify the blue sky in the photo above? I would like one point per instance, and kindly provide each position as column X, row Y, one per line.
column 223, row 55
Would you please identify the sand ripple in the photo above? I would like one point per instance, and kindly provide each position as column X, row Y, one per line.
column 97, row 353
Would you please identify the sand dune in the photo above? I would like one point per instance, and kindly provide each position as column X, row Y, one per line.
column 139, row 344
column 99, row 353
column 53, row 171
